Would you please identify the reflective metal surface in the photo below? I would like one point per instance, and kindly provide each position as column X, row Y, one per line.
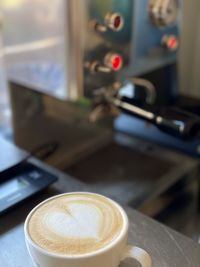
column 68, row 38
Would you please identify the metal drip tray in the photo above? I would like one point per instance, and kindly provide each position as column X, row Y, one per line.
column 131, row 170
column 116, row 163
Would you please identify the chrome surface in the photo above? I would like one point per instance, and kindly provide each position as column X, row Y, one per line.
column 131, row 108
column 112, row 18
column 81, row 32
column 148, row 86
column 163, row 12
column 75, row 24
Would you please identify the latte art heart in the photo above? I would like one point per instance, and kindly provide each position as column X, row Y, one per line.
column 82, row 221
column 75, row 224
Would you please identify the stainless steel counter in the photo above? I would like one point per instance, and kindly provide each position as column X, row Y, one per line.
column 167, row 247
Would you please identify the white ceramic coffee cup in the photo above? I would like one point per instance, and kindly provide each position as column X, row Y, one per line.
column 109, row 256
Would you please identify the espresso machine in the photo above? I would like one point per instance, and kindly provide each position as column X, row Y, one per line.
column 109, row 55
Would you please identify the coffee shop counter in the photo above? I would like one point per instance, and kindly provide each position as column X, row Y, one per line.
column 166, row 247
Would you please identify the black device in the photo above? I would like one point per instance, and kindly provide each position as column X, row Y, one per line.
column 179, row 123
column 172, row 120
column 21, row 182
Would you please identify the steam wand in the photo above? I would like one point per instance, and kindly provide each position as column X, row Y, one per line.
column 173, row 121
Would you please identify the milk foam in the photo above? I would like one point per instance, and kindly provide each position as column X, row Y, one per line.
column 75, row 224
column 82, row 221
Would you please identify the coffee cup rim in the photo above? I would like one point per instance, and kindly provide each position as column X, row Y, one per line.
column 79, row 256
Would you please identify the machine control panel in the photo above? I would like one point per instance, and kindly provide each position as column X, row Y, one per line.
column 105, row 56
column 102, row 42
column 130, row 38
column 155, row 35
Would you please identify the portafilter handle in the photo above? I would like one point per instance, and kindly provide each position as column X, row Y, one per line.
column 172, row 121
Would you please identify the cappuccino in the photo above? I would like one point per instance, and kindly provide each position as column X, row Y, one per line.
column 75, row 224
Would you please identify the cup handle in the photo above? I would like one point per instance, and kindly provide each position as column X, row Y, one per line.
column 139, row 255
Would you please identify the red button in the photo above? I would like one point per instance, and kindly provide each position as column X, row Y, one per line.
column 173, row 43
column 113, row 61
column 117, row 22
column 170, row 42
column 117, row 63
column 114, row 21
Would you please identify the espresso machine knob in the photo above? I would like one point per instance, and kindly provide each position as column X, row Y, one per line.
column 114, row 21
column 170, row 42
column 113, row 61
